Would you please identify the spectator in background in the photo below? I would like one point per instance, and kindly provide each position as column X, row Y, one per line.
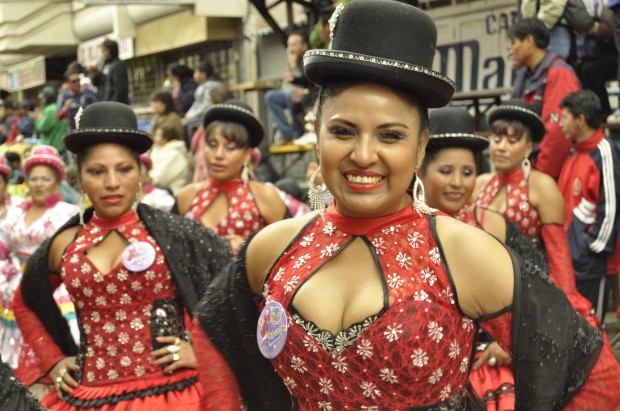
column 151, row 195
column 24, row 124
column 74, row 97
column 590, row 185
column 550, row 13
column 166, row 114
column 207, row 79
column 320, row 37
column 169, row 155
column 542, row 78
column 15, row 162
column 8, row 113
column 614, row 5
column 183, row 87
column 110, row 75
column 294, row 89
column 49, row 127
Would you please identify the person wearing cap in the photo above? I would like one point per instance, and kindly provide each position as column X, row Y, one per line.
column 229, row 201
column 25, row 227
column 590, row 185
column 449, row 176
column 50, row 128
column 134, row 273
column 374, row 302
column 151, row 195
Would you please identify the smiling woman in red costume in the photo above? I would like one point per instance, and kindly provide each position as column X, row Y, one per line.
column 449, row 176
column 229, row 202
column 134, row 274
column 374, row 302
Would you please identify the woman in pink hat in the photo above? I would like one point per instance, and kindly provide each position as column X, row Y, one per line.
column 23, row 230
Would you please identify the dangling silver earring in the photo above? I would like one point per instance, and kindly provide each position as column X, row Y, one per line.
column 245, row 174
column 83, row 201
column 526, row 167
column 317, row 194
column 419, row 202
column 138, row 196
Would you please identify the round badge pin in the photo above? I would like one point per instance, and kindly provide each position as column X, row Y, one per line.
column 271, row 330
column 138, row 256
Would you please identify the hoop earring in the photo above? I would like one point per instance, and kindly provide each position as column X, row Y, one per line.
column 526, row 167
column 317, row 194
column 419, row 201
column 83, row 206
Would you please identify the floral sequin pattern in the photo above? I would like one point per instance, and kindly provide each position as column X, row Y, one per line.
column 421, row 343
column 243, row 218
column 518, row 208
column 115, row 307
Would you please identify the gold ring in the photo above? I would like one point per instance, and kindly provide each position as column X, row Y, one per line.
column 58, row 380
column 177, row 341
column 62, row 371
column 176, row 357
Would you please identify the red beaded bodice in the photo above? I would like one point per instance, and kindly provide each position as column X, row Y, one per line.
column 115, row 308
column 519, row 210
column 243, row 218
column 415, row 352
column 467, row 214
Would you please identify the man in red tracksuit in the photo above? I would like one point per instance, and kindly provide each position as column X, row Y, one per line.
column 590, row 185
column 543, row 79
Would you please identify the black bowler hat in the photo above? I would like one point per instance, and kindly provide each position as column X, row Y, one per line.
column 521, row 110
column 384, row 41
column 237, row 112
column 454, row 127
column 107, row 122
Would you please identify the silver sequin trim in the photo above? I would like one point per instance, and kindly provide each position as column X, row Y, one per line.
column 466, row 135
column 333, row 20
column 521, row 109
column 347, row 55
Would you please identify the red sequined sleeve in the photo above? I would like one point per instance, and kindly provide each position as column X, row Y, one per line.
column 221, row 391
column 499, row 326
column 34, row 332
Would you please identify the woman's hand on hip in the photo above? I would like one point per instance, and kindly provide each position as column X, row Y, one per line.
column 174, row 355
column 61, row 377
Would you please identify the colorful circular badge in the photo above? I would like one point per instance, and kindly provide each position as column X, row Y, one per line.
column 271, row 330
column 138, row 256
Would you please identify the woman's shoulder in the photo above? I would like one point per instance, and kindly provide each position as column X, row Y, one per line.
column 484, row 283
column 186, row 195
column 59, row 244
column 541, row 181
column 269, row 201
column 481, row 181
column 269, row 244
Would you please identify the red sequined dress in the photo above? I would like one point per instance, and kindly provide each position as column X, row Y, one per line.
column 118, row 312
column 518, row 207
column 415, row 352
column 495, row 385
column 243, row 218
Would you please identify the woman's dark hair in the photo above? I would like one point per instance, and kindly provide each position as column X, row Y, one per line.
column 502, row 127
column 206, row 68
column 233, row 132
column 531, row 27
column 111, row 46
column 81, row 156
column 339, row 84
column 12, row 156
column 168, row 132
column 181, row 71
column 166, row 98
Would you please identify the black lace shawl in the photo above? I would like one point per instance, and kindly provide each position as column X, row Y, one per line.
column 194, row 255
column 14, row 396
column 554, row 348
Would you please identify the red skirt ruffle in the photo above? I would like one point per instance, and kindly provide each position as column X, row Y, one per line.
column 187, row 398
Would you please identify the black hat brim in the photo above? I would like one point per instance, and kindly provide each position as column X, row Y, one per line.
column 469, row 141
column 527, row 117
column 321, row 65
column 75, row 141
column 224, row 112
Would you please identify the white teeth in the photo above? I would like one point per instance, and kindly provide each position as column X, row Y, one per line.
column 362, row 179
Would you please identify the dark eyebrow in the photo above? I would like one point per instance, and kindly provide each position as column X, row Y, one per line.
column 381, row 126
